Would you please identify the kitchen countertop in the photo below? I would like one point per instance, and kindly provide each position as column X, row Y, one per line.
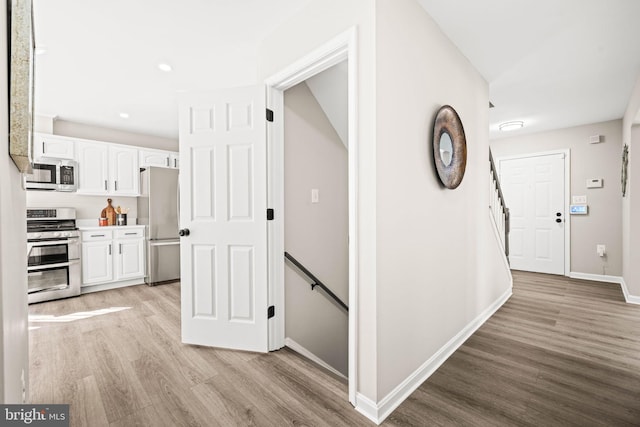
column 92, row 224
column 110, row 227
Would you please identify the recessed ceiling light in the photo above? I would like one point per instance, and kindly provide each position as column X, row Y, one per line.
column 124, row 115
column 511, row 125
column 163, row 66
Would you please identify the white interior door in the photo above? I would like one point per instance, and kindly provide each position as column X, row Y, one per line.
column 223, row 205
column 534, row 190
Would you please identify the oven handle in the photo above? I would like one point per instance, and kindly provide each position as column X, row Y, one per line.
column 51, row 242
column 30, row 245
column 48, row 266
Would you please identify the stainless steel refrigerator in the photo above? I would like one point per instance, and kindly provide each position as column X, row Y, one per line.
column 158, row 210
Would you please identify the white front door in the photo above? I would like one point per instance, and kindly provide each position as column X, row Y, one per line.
column 534, row 190
column 223, row 187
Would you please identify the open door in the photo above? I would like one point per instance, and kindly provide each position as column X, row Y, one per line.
column 223, row 247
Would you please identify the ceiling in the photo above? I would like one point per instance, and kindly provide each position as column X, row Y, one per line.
column 549, row 63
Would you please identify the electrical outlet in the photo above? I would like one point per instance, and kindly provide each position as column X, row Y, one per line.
column 315, row 195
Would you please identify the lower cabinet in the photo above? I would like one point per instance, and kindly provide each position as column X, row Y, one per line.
column 112, row 256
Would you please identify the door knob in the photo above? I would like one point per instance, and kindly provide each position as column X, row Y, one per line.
column 558, row 213
column 184, row 232
column 558, row 220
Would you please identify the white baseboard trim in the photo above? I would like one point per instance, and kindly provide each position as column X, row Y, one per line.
column 631, row 299
column 379, row 412
column 288, row 342
column 367, row 407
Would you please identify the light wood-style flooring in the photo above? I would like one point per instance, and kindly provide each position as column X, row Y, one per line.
column 559, row 352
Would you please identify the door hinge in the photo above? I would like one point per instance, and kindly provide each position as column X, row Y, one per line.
column 270, row 214
column 269, row 115
column 271, row 312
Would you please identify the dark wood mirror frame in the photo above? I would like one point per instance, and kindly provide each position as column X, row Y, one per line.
column 447, row 121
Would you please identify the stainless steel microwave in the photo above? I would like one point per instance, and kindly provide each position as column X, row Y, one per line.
column 53, row 175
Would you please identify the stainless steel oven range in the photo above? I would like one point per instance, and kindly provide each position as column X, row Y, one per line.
column 53, row 254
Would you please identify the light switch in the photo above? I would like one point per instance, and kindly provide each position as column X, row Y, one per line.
column 315, row 195
column 601, row 250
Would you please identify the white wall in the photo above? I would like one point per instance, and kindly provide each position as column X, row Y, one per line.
column 316, row 234
column 419, row 283
column 603, row 224
column 14, row 340
column 330, row 88
column 438, row 266
column 313, row 26
column 631, row 203
column 52, row 125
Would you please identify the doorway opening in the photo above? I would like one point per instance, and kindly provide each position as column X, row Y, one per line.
column 316, row 218
column 339, row 50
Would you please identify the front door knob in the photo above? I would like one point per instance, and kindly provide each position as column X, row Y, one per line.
column 184, row 232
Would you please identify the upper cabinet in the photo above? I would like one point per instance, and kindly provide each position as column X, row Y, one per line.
column 124, row 170
column 159, row 158
column 57, row 147
column 107, row 169
column 93, row 167
column 104, row 168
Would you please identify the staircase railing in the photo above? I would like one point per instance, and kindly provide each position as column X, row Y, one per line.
column 315, row 280
column 498, row 206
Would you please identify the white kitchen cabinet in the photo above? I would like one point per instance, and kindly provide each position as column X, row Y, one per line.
column 97, row 257
column 93, row 167
column 57, row 147
column 107, row 169
column 113, row 257
column 158, row 158
column 124, row 171
column 129, row 261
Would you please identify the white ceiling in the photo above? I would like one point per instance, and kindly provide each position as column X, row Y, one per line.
column 549, row 63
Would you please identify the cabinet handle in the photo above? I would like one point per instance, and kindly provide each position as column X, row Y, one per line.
column 130, row 234
column 116, row 185
column 42, row 147
column 105, row 185
column 175, row 163
column 97, row 235
column 167, row 162
column 109, row 248
column 120, row 248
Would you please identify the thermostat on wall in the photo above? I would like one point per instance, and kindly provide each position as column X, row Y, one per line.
column 579, row 209
column 594, row 183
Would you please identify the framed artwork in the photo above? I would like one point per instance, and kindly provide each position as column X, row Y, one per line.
column 449, row 147
column 21, row 69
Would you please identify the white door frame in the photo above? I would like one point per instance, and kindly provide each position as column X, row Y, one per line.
column 331, row 53
column 567, row 192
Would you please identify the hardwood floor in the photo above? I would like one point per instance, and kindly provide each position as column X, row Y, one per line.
column 559, row 352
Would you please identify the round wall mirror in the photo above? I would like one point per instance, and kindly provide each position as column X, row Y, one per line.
column 449, row 147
